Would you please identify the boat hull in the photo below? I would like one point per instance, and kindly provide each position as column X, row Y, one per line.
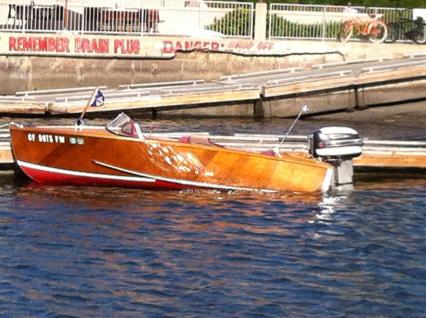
column 94, row 156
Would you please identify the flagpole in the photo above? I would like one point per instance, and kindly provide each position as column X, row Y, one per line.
column 303, row 110
column 80, row 119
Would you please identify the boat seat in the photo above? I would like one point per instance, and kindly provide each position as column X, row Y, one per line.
column 185, row 139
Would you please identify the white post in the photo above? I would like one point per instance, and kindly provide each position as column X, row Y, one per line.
column 324, row 23
column 260, row 25
column 141, row 17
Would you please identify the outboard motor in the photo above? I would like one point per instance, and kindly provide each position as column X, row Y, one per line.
column 337, row 146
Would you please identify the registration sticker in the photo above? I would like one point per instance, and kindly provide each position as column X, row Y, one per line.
column 76, row 141
column 46, row 138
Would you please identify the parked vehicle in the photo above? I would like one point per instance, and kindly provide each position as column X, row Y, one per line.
column 406, row 28
column 366, row 25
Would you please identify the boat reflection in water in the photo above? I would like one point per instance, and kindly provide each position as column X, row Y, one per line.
column 186, row 211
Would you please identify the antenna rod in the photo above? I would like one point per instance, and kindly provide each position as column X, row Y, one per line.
column 303, row 110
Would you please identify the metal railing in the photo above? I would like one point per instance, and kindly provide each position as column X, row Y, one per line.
column 171, row 17
column 297, row 21
column 184, row 17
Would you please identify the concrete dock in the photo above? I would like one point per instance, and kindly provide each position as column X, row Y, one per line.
column 326, row 87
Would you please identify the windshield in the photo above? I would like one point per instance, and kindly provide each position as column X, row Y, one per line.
column 123, row 125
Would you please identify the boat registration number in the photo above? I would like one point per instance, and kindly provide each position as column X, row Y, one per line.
column 48, row 138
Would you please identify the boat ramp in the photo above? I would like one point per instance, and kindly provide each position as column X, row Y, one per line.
column 325, row 87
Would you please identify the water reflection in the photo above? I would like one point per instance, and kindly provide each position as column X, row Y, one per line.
column 189, row 211
column 327, row 208
column 116, row 197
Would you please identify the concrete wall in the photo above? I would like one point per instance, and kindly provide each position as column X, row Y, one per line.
column 18, row 73
column 392, row 93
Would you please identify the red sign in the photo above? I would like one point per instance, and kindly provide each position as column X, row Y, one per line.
column 39, row 44
column 82, row 45
column 125, row 46
column 170, row 46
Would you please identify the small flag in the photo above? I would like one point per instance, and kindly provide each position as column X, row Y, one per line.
column 98, row 100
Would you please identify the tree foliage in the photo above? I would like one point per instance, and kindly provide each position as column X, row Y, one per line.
column 284, row 28
column 364, row 3
column 234, row 22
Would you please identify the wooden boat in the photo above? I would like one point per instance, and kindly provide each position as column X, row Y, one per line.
column 120, row 155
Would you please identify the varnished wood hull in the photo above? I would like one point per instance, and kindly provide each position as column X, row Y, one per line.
column 94, row 156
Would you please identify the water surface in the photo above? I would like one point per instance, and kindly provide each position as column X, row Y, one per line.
column 111, row 252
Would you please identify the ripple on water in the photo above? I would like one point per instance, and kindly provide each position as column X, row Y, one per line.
column 79, row 252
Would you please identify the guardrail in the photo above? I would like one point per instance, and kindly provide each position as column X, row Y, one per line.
column 171, row 17
column 297, row 21
column 190, row 18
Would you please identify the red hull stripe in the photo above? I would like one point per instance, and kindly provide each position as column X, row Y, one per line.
column 43, row 174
